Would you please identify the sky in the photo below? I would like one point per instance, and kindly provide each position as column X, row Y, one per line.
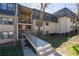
column 53, row 7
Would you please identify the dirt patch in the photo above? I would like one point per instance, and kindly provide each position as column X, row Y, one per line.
column 63, row 48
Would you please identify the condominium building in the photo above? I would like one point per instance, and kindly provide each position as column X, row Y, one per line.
column 49, row 22
column 15, row 19
column 66, row 20
column 8, row 22
column 61, row 21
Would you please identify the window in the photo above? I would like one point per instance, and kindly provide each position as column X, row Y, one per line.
column 37, row 14
column 0, row 20
column 4, row 20
column 4, row 6
column 38, row 23
column 10, row 21
column 0, row 35
column 29, row 27
column 47, row 24
column 47, row 17
column 11, row 7
column 71, row 20
column 20, row 27
column 5, row 35
column 11, row 35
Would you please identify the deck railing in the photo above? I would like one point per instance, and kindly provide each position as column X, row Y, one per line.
column 25, row 21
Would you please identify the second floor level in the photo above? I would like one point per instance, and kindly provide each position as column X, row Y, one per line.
column 8, row 8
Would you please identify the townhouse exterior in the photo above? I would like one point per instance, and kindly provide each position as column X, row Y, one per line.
column 8, row 22
column 49, row 22
column 15, row 19
column 24, row 19
column 61, row 21
column 66, row 20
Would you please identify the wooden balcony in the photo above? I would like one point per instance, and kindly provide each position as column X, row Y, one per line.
column 25, row 10
column 25, row 21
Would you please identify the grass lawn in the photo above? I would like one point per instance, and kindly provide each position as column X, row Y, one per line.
column 73, row 50
column 12, row 50
column 63, row 44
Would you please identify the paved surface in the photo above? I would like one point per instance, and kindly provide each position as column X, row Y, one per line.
column 37, row 41
column 40, row 43
column 54, row 53
column 27, row 51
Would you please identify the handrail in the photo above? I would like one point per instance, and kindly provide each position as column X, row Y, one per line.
column 29, row 39
column 39, row 45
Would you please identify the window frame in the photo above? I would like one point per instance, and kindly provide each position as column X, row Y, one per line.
column 5, row 35
column 10, row 22
column 8, row 35
column 6, row 21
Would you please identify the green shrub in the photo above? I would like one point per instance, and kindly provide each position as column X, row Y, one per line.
column 77, row 47
column 11, row 50
column 73, row 50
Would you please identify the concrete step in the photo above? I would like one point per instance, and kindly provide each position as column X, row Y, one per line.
column 45, row 51
column 44, row 47
column 53, row 53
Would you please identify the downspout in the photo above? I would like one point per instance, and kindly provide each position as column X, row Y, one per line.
column 66, row 23
column 16, row 20
column 59, row 25
column 32, row 22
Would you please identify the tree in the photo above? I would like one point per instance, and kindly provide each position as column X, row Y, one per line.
column 42, row 10
column 77, row 20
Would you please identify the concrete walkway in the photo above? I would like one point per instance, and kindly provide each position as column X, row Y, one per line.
column 26, row 50
column 44, row 48
column 54, row 53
